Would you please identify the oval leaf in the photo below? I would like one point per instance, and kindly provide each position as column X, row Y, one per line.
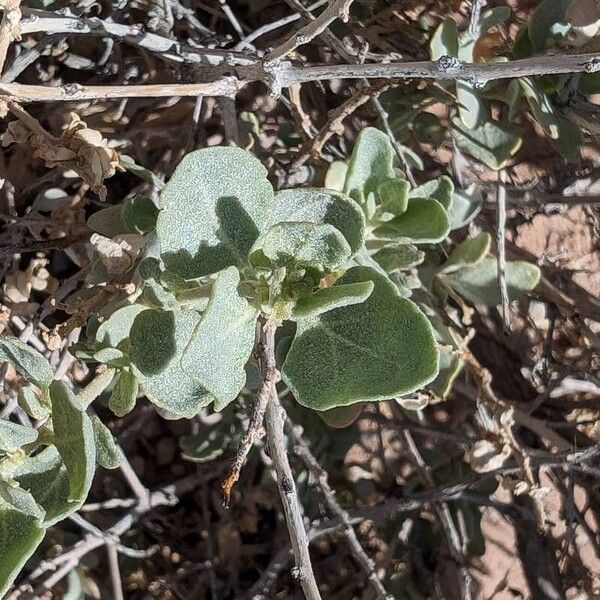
column 124, row 394
column 108, row 454
column 14, row 435
column 27, row 361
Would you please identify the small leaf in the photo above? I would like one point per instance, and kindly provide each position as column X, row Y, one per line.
column 440, row 189
column 145, row 174
column 494, row 16
column 393, row 196
column 378, row 349
column 372, row 162
column 158, row 339
column 546, row 22
column 139, row 215
column 213, row 209
column 428, row 129
column 115, row 329
column 468, row 253
column 108, row 222
column 222, row 341
column 108, row 454
column 399, row 257
column 321, row 207
column 332, row 297
column 341, row 416
column 424, row 222
column 20, row 532
column 493, row 144
column 336, row 176
column 479, row 284
column 444, row 41
column 27, row 361
column 466, row 205
column 31, row 404
column 124, row 394
column 74, row 439
column 14, row 435
column 322, row 247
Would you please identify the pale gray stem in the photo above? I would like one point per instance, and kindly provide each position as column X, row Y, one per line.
column 115, row 573
column 500, row 242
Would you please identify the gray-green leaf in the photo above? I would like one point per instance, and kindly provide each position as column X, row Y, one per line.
column 468, row 253
column 213, row 209
column 378, row 349
column 108, row 454
column 332, row 297
column 27, row 361
column 124, row 394
column 14, row 435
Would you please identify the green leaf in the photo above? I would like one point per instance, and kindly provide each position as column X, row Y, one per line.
column 440, row 189
column 479, row 284
column 321, row 207
column 74, row 439
column 428, row 129
column 494, row 16
column 546, row 22
column 444, row 41
column 145, row 174
column 336, row 176
column 45, row 476
column 332, row 297
column 108, row 454
column 124, row 394
column 222, row 341
column 139, row 215
column 468, row 253
column 341, row 416
column 393, row 196
column 108, row 222
column 158, row 339
column 372, row 162
column 27, row 361
column 381, row 348
column 20, row 532
column 491, row 143
column 424, row 222
column 466, row 205
column 399, row 257
column 213, row 209
column 31, row 404
column 320, row 246
column 115, row 329
column 14, row 435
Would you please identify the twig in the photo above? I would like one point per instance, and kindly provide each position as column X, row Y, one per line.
column 336, row 9
column 9, row 27
column 501, row 258
column 474, row 21
column 286, row 74
column 231, row 18
column 275, row 421
column 115, row 574
column 366, row 564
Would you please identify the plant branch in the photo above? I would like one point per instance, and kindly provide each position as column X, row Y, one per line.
column 285, row 74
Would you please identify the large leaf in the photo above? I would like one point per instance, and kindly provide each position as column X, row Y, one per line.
column 320, row 246
column 74, row 439
column 21, row 532
column 372, row 162
column 213, row 209
column 479, row 284
column 321, row 206
column 222, row 341
column 27, row 361
column 115, row 329
column 424, row 222
column 158, row 339
column 491, row 143
column 378, row 349
column 45, row 476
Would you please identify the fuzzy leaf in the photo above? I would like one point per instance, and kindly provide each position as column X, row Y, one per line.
column 466, row 205
column 320, row 246
column 213, row 209
column 31, row 404
column 321, row 207
column 27, row 361
column 441, row 189
column 115, row 329
column 336, row 176
column 222, row 341
column 479, row 284
column 341, row 416
column 444, row 41
column 74, row 439
column 470, row 252
column 332, row 297
column 393, row 196
column 399, row 257
column 372, row 162
column 20, row 532
column 491, row 143
column 428, row 129
column 139, row 214
column 424, row 222
column 45, row 476
column 124, row 394
column 108, row 454
column 108, row 222
column 14, row 435
column 381, row 348
column 158, row 339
